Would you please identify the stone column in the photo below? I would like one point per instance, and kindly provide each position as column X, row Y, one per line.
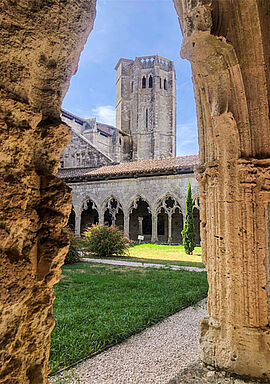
column 169, row 228
column 78, row 217
column 140, row 219
column 101, row 218
column 126, row 224
column 154, row 237
column 35, row 204
column 231, row 82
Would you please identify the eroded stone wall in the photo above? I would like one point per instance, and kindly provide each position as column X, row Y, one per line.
column 227, row 43
column 40, row 43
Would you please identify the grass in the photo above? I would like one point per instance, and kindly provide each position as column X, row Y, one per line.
column 97, row 306
column 163, row 254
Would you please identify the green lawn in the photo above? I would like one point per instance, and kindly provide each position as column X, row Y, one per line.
column 163, row 254
column 97, row 306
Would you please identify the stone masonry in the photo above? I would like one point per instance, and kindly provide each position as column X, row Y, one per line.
column 146, row 106
column 227, row 43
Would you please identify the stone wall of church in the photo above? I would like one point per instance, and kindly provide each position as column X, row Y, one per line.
column 80, row 153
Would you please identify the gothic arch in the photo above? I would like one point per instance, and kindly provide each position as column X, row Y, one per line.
column 135, row 199
column 89, row 214
column 164, row 197
column 169, row 219
column 140, row 218
column 106, row 201
column 112, row 212
column 82, row 203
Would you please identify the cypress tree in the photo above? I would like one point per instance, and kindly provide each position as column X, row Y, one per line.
column 188, row 233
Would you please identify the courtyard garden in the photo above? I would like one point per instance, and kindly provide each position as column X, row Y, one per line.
column 162, row 254
column 97, row 306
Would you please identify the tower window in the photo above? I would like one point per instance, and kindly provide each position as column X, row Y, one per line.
column 160, row 83
column 150, row 81
column 146, row 118
column 165, row 84
column 131, row 87
column 144, row 82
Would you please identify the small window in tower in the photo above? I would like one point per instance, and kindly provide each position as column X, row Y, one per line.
column 160, row 83
column 150, row 81
column 131, row 86
column 165, row 84
column 146, row 118
column 144, row 82
column 120, row 141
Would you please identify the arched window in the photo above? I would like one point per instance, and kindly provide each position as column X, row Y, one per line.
column 160, row 83
column 150, row 81
column 144, row 82
column 131, row 87
column 165, row 84
column 146, row 118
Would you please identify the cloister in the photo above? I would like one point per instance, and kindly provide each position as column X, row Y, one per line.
column 162, row 221
column 227, row 43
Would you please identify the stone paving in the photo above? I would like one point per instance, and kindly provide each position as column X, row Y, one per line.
column 143, row 265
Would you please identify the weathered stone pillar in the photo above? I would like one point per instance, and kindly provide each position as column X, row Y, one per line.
column 40, row 46
column 169, row 228
column 126, row 224
column 101, row 218
column 227, row 43
column 78, row 217
column 140, row 219
column 154, row 237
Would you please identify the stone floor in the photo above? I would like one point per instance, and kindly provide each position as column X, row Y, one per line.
column 198, row 374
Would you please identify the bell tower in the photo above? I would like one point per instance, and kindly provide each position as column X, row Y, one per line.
column 146, row 106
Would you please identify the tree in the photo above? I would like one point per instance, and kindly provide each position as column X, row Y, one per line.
column 188, row 233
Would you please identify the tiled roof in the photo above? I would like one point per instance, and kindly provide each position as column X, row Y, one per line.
column 179, row 164
column 73, row 172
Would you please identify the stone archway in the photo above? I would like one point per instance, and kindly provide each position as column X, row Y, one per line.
column 89, row 215
column 140, row 219
column 113, row 213
column 169, row 220
column 227, row 43
column 71, row 220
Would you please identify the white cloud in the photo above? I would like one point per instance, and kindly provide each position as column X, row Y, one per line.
column 187, row 138
column 105, row 114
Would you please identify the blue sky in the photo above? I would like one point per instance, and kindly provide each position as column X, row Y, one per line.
column 130, row 28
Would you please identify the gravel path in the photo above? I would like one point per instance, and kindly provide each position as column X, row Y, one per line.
column 154, row 356
column 139, row 264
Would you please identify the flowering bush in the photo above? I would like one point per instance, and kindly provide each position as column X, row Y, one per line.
column 105, row 241
column 73, row 255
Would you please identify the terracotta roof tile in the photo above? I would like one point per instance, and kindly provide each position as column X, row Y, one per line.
column 179, row 163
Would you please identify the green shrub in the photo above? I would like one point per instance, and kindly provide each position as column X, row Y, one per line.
column 73, row 255
column 105, row 241
column 188, row 232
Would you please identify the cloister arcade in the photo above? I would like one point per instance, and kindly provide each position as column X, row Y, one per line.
column 159, row 222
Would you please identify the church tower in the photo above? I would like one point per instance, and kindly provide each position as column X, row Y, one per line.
column 146, row 107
